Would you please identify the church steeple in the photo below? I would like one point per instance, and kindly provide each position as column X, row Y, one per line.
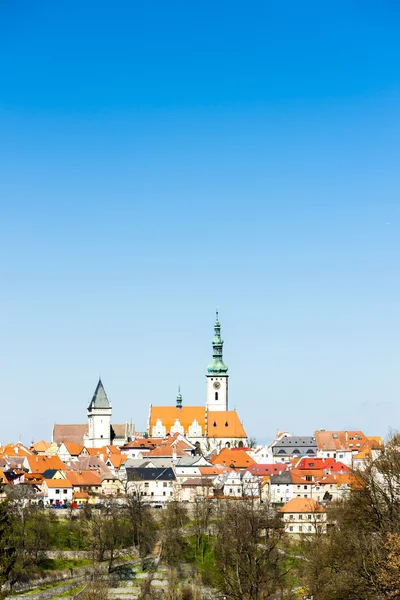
column 217, row 366
column 179, row 398
column 217, row 373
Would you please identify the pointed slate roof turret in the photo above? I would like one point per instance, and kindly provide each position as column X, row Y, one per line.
column 99, row 399
column 179, row 399
column 217, row 367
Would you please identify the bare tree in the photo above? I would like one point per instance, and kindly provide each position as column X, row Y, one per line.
column 249, row 564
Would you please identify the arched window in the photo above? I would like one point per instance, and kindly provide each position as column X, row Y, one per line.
column 216, row 395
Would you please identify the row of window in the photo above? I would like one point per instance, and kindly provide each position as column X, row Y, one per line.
column 291, row 528
column 152, row 493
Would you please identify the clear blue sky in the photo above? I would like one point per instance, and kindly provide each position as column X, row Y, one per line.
column 160, row 158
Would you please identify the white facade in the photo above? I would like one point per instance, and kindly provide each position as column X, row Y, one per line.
column 217, row 392
column 305, row 523
column 61, row 494
column 99, row 427
column 344, row 456
column 153, row 491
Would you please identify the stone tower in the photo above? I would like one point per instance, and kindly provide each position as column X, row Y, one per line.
column 217, row 374
column 99, row 419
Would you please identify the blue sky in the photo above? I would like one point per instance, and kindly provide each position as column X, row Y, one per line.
column 159, row 159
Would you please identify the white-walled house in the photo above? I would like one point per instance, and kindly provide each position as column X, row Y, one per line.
column 57, row 491
column 154, row 485
column 303, row 516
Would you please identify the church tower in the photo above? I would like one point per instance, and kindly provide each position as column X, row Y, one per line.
column 99, row 419
column 217, row 377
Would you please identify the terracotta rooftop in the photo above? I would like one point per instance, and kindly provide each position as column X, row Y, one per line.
column 233, row 457
column 302, row 505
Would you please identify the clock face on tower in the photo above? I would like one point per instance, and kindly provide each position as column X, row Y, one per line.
column 217, row 385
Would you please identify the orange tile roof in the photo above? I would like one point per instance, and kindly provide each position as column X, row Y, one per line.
column 350, row 479
column 233, row 457
column 41, row 446
column 3, row 478
column 213, row 471
column 85, row 478
column 15, row 450
column 80, row 495
column 225, row 424
column 58, row 483
column 40, row 464
column 375, row 442
column 340, row 440
column 318, row 476
column 73, row 448
column 186, row 416
column 302, row 505
column 117, row 460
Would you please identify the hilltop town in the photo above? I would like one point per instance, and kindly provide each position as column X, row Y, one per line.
column 93, row 492
column 187, row 452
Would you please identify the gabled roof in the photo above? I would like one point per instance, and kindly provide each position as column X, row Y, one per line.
column 270, row 469
column 69, row 433
column 40, row 464
column 225, row 424
column 99, row 399
column 233, row 457
column 213, row 471
column 330, row 464
column 73, row 448
column 49, row 474
column 340, row 440
column 83, row 478
column 143, row 474
column 15, row 450
column 41, row 446
column 186, row 416
column 302, row 505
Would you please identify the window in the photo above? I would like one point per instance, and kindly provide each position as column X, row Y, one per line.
column 300, row 517
column 309, row 528
column 146, row 484
column 298, row 487
column 164, row 493
column 300, row 527
column 164, row 484
column 305, row 487
column 309, row 517
column 152, row 494
column 216, row 395
column 291, row 528
column 65, row 491
column 57, row 491
column 291, row 517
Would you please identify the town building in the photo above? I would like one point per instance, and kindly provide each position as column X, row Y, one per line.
column 98, row 431
column 209, row 427
column 303, row 516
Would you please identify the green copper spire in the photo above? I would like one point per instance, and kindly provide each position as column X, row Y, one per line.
column 179, row 398
column 217, row 367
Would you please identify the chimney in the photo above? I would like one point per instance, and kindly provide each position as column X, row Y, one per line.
column 347, row 436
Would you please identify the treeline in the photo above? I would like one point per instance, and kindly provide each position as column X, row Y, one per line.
column 360, row 556
column 236, row 547
column 28, row 532
column 233, row 547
